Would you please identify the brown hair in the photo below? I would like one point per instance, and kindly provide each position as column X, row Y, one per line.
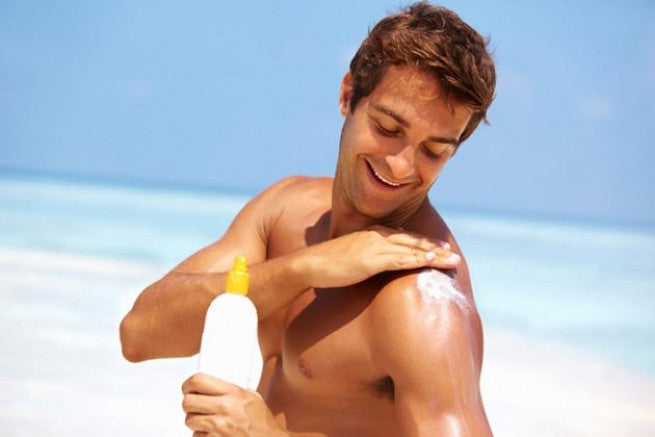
column 438, row 42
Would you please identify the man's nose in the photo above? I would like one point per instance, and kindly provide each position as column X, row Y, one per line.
column 402, row 163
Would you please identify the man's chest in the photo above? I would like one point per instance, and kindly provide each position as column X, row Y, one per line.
column 325, row 344
column 326, row 377
column 325, row 335
column 323, row 340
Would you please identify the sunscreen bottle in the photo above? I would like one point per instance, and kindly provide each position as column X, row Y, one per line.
column 230, row 346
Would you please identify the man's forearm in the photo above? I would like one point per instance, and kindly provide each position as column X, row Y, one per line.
column 168, row 317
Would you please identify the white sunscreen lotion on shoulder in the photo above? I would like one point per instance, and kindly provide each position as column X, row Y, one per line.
column 230, row 347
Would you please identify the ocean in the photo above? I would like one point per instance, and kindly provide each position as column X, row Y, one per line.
column 566, row 306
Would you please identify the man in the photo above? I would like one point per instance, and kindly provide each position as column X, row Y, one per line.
column 360, row 335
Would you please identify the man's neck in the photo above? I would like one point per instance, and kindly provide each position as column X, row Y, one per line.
column 344, row 218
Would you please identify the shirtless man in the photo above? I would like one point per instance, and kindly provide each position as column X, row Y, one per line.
column 361, row 332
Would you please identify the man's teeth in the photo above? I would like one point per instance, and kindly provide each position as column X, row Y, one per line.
column 379, row 176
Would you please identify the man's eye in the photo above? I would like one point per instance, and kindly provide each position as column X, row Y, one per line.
column 431, row 154
column 387, row 132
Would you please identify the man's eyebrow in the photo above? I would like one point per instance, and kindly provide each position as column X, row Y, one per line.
column 445, row 140
column 393, row 114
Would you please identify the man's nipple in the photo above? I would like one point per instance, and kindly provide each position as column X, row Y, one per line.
column 304, row 368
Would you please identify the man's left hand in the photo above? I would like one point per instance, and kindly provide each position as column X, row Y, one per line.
column 215, row 408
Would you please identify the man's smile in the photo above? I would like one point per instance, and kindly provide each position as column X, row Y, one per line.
column 377, row 176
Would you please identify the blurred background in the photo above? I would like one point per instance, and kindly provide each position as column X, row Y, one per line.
column 132, row 132
column 182, row 95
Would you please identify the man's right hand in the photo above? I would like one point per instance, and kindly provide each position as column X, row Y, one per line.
column 357, row 256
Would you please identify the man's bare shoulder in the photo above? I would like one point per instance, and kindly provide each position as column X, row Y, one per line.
column 299, row 189
column 299, row 198
column 422, row 313
column 426, row 291
column 289, row 193
column 300, row 183
column 425, row 335
column 429, row 222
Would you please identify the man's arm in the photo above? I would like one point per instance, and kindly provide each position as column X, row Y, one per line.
column 168, row 316
column 429, row 341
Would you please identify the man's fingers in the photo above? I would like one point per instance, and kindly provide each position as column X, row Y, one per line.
column 191, row 422
column 412, row 258
column 203, row 422
column 444, row 259
column 208, row 385
column 203, row 404
column 209, row 424
column 426, row 251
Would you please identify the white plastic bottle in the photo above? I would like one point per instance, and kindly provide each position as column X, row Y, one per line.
column 230, row 346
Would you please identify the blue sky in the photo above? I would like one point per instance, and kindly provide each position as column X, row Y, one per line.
column 241, row 94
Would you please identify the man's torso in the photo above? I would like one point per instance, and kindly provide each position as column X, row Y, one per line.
column 321, row 372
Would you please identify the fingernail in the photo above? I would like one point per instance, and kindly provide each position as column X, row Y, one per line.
column 430, row 256
column 454, row 258
column 445, row 245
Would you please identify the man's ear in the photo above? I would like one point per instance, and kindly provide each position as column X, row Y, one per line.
column 346, row 94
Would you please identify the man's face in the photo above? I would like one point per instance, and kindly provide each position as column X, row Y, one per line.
column 396, row 141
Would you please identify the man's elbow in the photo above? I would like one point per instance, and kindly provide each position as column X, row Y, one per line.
column 132, row 348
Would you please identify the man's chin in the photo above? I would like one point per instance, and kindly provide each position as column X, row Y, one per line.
column 379, row 213
column 387, row 212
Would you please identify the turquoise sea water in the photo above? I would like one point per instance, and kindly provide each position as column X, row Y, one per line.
column 589, row 286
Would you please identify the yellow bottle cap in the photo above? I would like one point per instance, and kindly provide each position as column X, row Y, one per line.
column 238, row 278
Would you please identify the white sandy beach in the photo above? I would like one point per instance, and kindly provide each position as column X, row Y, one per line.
column 547, row 389
column 62, row 372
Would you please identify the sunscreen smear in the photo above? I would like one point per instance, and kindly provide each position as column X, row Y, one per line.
column 230, row 346
column 436, row 285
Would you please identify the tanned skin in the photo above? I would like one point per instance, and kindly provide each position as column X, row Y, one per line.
column 351, row 345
